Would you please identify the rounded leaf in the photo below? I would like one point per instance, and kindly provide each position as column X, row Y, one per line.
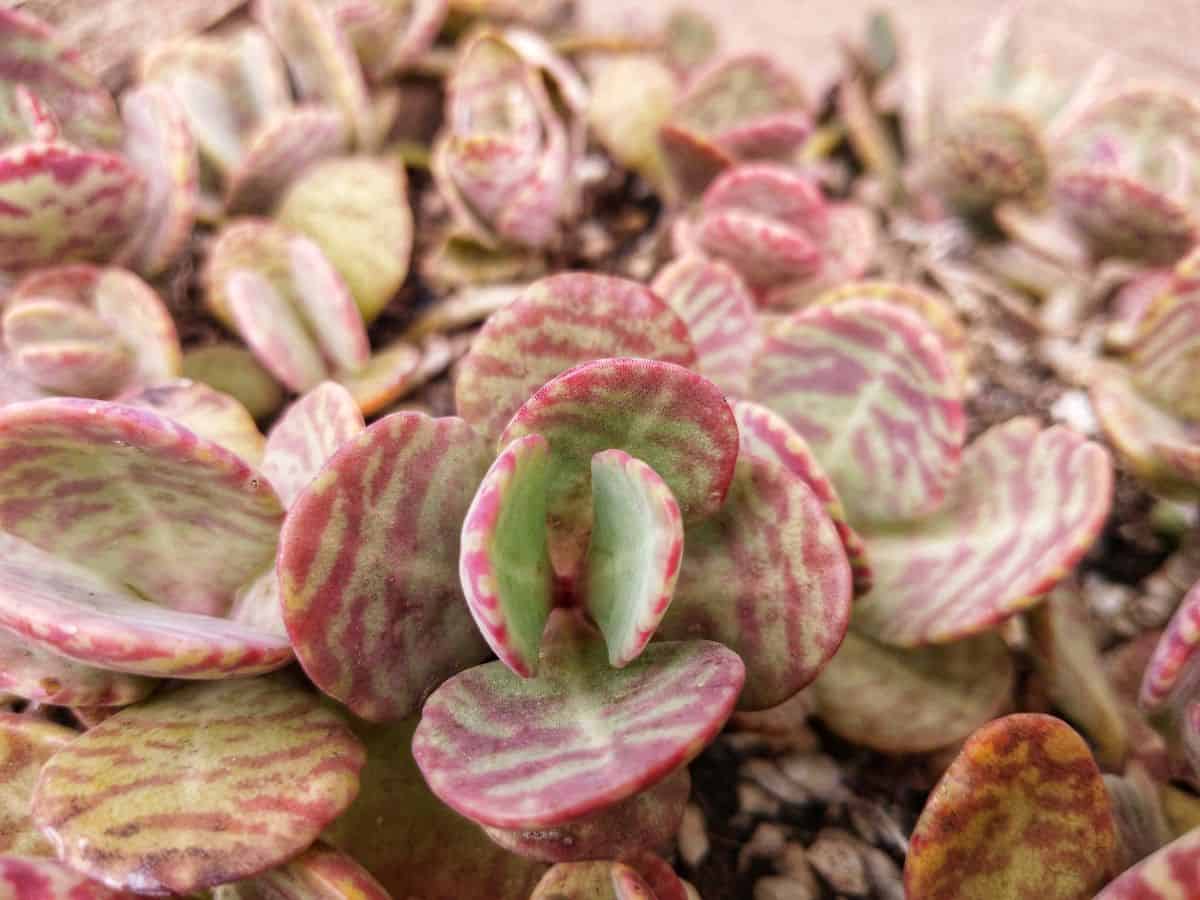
column 161, row 797
column 594, row 881
column 320, row 873
column 212, row 415
column 384, row 378
column 1173, row 656
column 1171, row 873
column 989, row 155
column 308, row 433
column 233, row 370
column 25, row 745
column 279, row 151
column 34, row 673
column 47, row 879
column 1166, row 352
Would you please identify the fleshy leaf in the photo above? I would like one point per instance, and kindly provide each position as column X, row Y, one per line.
column 143, row 500
column 594, row 881
column 1172, row 873
column 1167, row 350
column 1021, row 809
column 161, row 797
column 159, row 142
column 765, row 434
column 63, row 203
column 319, row 873
column 356, row 210
column 412, row 842
column 389, row 35
column 274, row 330
column 27, row 670
column 631, row 98
column 989, row 155
column 713, row 302
column 1173, row 656
column 557, row 323
column 1027, row 505
column 66, row 348
column 869, row 386
column 25, row 745
column 279, row 151
column 504, row 563
column 233, row 370
column 308, row 433
column 766, row 576
column 385, row 377
column 913, row 700
column 649, row 819
column 520, row 753
column 22, row 878
column 35, row 57
column 673, row 420
column 634, row 553
column 212, row 415
column 368, row 560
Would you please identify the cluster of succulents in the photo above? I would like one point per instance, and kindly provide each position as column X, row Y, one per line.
column 522, row 534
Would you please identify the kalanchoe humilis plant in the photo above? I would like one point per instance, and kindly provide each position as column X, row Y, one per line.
column 775, row 227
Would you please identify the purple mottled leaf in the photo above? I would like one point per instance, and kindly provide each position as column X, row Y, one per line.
column 25, row 745
column 212, row 415
column 308, row 433
column 278, row 151
column 30, row 671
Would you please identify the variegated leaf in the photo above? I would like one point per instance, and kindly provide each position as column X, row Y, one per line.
column 1027, row 505
column 25, row 745
column 233, row 370
column 412, row 842
column 22, row 878
column 160, row 144
column 1172, row 873
column 766, row 576
column 143, row 500
column 279, row 151
column 357, row 210
column 274, row 330
column 914, row 700
column 593, row 880
column 212, row 415
column 319, row 873
column 308, row 433
column 557, row 323
column 991, row 154
column 1022, row 811
column 649, row 819
column 66, row 348
column 368, row 560
column 63, row 203
column 389, row 35
column 520, row 753
column 848, row 251
column 870, row 388
column 200, row 786
column 384, row 378
column 718, row 310
column 1166, row 352
column 1173, row 656
column 29, row 670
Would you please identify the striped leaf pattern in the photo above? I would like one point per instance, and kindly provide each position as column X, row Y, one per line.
column 675, row 421
column 212, row 415
column 1171, row 873
column 145, row 501
column 368, row 564
column 62, row 203
column 765, row 434
column 390, row 372
column 767, row 577
column 412, row 842
column 1021, row 812
column 26, row 744
column 522, row 753
column 1175, row 654
column 276, row 153
column 1027, row 506
column 200, row 786
column 1165, row 356
column 557, row 323
column 308, row 433
column 991, row 154
column 870, row 388
column 633, row 555
column 22, row 878
column 320, row 873
column 29, row 670
column 594, row 880
column 913, row 700
column 66, row 348
column 714, row 303
column 649, row 819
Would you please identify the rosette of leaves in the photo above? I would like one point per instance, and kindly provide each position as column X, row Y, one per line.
column 957, row 539
column 1126, row 175
column 776, row 228
column 514, row 131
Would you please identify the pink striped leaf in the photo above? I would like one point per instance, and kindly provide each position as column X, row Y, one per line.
column 37, row 120
column 160, row 798
column 160, row 144
column 1166, row 351
column 212, row 415
column 278, row 151
column 718, row 310
column 1027, row 505
column 357, row 210
column 389, row 36
column 31, row 671
column 321, row 60
column 944, row 692
column 232, row 369
column 22, row 878
column 766, row 576
column 319, row 873
column 846, row 254
column 1171, row 873
column 274, row 330
column 1022, row 809
column 557, row 323
column 367, row 564
column 765, row 434
column 147, row 503
column 308, row 433
column 26, row 744
column 1175, row 655
column 990, row 154
column 66, row 348
column 62, row 203
column 49, row 68
column 413, row 843
column 388, row 374
column 649, row 819
column 520, row 753
column 594, row 880
column 868, row 385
